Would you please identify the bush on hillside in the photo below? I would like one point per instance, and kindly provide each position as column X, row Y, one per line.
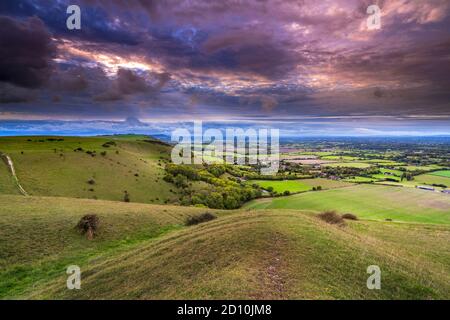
column 331, row 217
column 349, row 216
column 88, row 225
column 204, row 217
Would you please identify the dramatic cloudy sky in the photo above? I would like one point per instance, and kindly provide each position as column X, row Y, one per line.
column 296, row 64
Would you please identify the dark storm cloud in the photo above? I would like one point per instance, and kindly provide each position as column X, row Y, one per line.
column 129, row 82
column 273, row 57
column 25, row 52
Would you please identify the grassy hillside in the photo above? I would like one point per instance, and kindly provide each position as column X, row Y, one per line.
column 143, row 252
column 7, row 184
column 62, row 166
column 38, row 235
column 369, row 202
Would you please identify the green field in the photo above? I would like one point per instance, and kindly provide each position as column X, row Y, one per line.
column 423, row 179
column 420, row 168
column 359, row 165
column 373, row 202
column 360, row 180
column 143, row 252
column 340, row 158
column 384, row 177
column 53, row 168
column 443, row 173
column 298, row 185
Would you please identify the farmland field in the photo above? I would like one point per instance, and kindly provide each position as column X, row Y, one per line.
column 359, row 165
column 298, row 185
column 373, row 202
column 443, row 173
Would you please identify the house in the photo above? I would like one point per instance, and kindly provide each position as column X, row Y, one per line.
column 425, row 188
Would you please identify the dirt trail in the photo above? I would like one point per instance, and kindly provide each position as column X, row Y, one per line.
column 10, row 165
column 270, row 277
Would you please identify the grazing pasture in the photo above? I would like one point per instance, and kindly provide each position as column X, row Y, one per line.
column 301, row 185
column 442, row 173
column 375, row 202
column 360, row 165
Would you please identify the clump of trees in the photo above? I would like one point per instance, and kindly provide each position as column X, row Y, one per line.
column 225, row 193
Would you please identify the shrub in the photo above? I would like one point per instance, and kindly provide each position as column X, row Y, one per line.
column 331, row 217
column 126, row 197
column 349, row 216
column 88, row 225
column 91, row 181
column 204, row 217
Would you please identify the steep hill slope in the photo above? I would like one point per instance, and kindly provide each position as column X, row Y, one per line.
column 144, row 252
column 90, row 167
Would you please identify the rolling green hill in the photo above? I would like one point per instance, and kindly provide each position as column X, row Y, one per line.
column 370, row 202
column 143, row 252
column 89, row 167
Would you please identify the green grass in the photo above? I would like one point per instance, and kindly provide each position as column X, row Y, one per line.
column 369, row 202
column 360, row 179
column 359, row 165
column 39, row 239
column 423, row 179
column 302, row 185
column 421, row 168
column 442, row 173
column 384, row 177
column 397, row 173
column 52, row 168
column 7, row 183
column 340, row 158
column 144, row 252
column 269, row 255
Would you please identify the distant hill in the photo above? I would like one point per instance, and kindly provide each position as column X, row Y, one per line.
column 101, row 167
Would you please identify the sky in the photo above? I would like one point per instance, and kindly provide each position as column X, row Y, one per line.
column 306, row 67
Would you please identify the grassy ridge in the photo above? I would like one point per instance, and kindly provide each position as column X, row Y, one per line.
column 369, row 202
column 143, row 252
column 39, row 239
column 48, row 167
column 269, row 255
